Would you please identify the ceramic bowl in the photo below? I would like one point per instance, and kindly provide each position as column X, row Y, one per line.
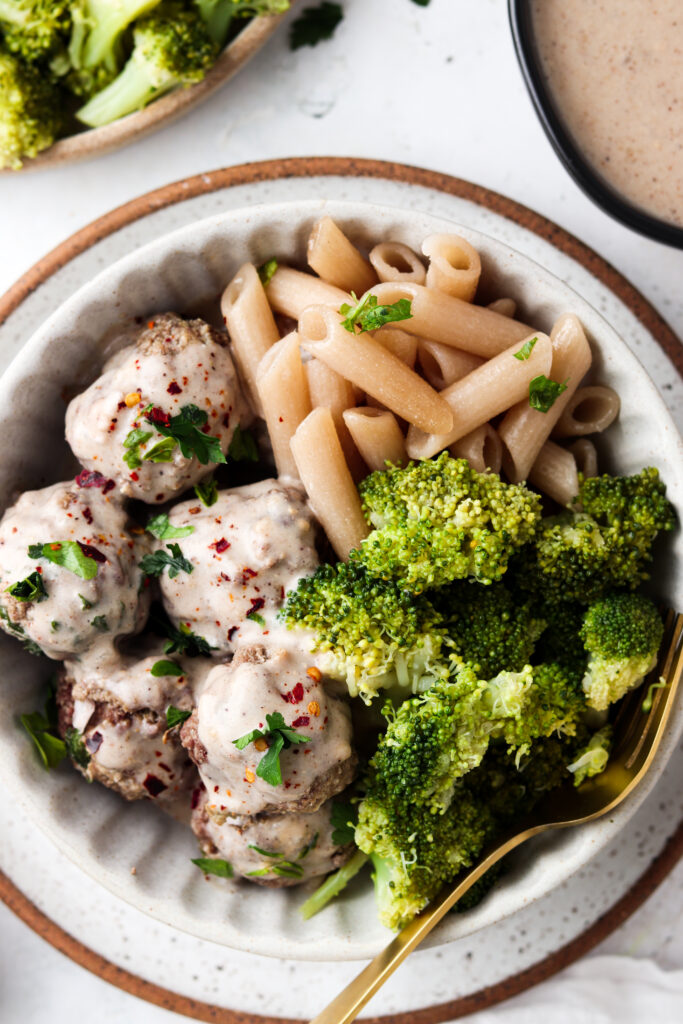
column 186, row 271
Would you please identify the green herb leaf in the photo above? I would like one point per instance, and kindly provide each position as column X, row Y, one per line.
column 155, row 563
column 269, row 768
column 214, row 866
column 287, row 869
column 134, row 439
column 85, row 603
column 315, row 24
column 51, row 749
column 309, row 846
column 175, row 716
column 264, row 853
column 160, row 527
column 69, row 555
column 30, row 589
column 100, row 622
column 526, row 349
column 54, row 625
column 543, row 393
column 266, row 271
column 76, row 748
column 279, row 736
column 207, row 491
column 184, row 429
column 243, row 447
column 165, row 668
column 367, row 315
column 255, row 617
column 343, row 819
column 162, row 451
column 181, row 640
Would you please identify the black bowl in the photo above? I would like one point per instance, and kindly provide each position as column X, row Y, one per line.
column 595, row 187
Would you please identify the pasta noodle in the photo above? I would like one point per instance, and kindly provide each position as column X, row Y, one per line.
column 481, row 447
column 590, row 411
column 506, row 307
column 586, row 456
column 396, row 262
column 443, row 365
column 403, row 345
column 524, row 430
column 377, row 436
column 336, row 260
column 554, row 473
column 329, row 485
column 290, row 291
column 444, row 318
column 329, row 390
column 489, row 390
column 454, row 266
column 283, row 391
column 250, row 324
column 366, row 363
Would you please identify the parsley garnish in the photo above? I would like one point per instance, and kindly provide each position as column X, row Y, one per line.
column 309, row 846
column 134, row 439
column 264, row 853
column 181, row 640
column 85, row 603
column 266, row 271
column 343, row 819
column 367, row 315
column 68, row 554
column 286, row 868
column 184, row 430
column 214, row 866
column 279, row 736
column 255, row 617
column 543, row 393
column 162, row 451
column 315, row 24
column 207, row 491
column 526, row 349
column 76, row 748
column 29, row 645
column 160, row 527
column 175, row 716
column 154, row 564
column 30, row 589
column 100, row 622
column 165, row 668
column 51, row 748
column 243, row 446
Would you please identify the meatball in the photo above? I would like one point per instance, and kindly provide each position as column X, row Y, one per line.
column 295, row 847
column 51, row 541
column 174, row 364
column 234, row 700
column 246, row 550
column 118, row 709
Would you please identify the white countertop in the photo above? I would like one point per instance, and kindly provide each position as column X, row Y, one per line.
column 437, row 87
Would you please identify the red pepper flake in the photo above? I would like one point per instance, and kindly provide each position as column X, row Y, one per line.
column 174, row 388
column 247, row 574
column 90, row 552
column 257, row 603
column 231, row 632
column 195, row 510
column 287, row 784
column 220, row 545
column 294, row 696
column 157, row 415
column 120, row 406
column 196, row 797
column 165, row 767
column 206, row 428
column 301, row 720
column 153, row 785
column 216, row 789
column 159, row 497
column 280, row 419
column 134, row 476
column 226, row 420
column 88, row 478
column 87, row 514
column 150, row 324
column 224, row 576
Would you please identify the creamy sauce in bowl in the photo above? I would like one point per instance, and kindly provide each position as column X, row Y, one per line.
column 615, row 72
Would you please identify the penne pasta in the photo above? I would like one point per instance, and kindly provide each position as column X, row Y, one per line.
column 590, row 411
column 250, row 324
column 525, row 430
column 377, row 436
column 586, row 456
column 506, row 307
column 403, row 345
column 336, row 260
column 290, row 291
column 329, row 390
column 489, row 390
column 396, row 262
column 441, row 317
column 328, row 482
column 481, row 447
column 366, row 363
column 554, row 473
column 283, row 391
column 443, row 365
column 454, row 266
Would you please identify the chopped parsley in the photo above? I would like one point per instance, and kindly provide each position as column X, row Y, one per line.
column 160, row 527
column 175, row 716
column 181, row 640
column 30, row 589
column 255, row 617
column 526, row 349
column 266, row 271
column 155, row 563
column 165, row 668
column 264, row 853
column 207, row 491
column 343, row 819
column 214, row 866
column 50, row 747
column 309, row 846
column 85, row 603
column 543, row 393
column 76, row 748
column 80, row 559
column 184, row 430
column 162, row 451
column 100, row 622
column 30, row 646
column 243, row 446
column 315, row 24
column 279, row 736
column 367, row 315
column 134, row 439
column 283, row 867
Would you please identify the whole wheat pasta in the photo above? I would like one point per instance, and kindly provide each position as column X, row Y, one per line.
column 586, row 456
column 283, row 390
column 328, row 482
column 329, row 390
column 394, row 261
column 451, row 321
column 366, row 363
column 336, row 260
column 506, row 307
column 591, row 410
column 290, row 291
column 554, row 473
column 377, row 436
column 403, row 345
column 524, row 430
column 454, row 266
column 481, row 447
column 443, row 365
column 250, row 324
column 489, row 390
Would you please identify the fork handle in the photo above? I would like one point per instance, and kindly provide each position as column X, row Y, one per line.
column 351, row 1000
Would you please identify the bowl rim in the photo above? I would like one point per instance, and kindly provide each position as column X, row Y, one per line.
column 548, row 112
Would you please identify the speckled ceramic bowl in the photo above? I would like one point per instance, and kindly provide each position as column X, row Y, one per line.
column 106, row 837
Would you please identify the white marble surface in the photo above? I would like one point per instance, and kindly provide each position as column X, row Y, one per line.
column 435, row 86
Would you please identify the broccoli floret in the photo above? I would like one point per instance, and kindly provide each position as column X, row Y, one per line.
column 30, row 111
column 622, row 634
column 593, row 758
column 561, row 639
column 35, row 30
column 376, row 635
column 605, row 543
column 553, row 704
column 219, row 14
column 438, row 520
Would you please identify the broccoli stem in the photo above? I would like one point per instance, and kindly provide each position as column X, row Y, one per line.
column 333, row 885
column 110, row 20
column 131, row 90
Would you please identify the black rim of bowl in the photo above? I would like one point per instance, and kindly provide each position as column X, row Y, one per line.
column 580, row 170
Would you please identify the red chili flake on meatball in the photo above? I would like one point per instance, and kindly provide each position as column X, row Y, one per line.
column 195, row 510
column 231, row 633
column 157, row 415
column 94, row 742
column 257, row 603
column 226, row 420
column 121, row 405
column 88, row 478
column 90, row 552
column 87, row 514
column 294, row 696
column 153, row 785
column 174, row 388
column 206, row 428
column 301, row 720
column 220, row 545
column 196, row 795
column 224, row 576
column 247, row 574
column 162, row 764
column 134, row 476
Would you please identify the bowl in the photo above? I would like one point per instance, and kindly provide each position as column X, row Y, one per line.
column 186, row 270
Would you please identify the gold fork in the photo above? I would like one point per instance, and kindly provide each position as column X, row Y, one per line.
column 637, row 735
